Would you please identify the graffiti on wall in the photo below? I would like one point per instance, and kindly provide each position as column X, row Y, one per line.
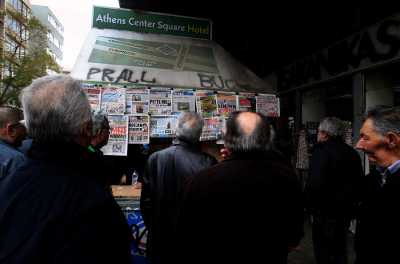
column 376, row 44
column 113, row 76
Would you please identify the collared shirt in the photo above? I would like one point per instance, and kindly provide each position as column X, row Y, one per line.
column 390, row 170
column 394, row 167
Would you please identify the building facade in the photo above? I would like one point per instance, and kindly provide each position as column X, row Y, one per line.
column 344, row 79
column 56, row 31
column 14, row 34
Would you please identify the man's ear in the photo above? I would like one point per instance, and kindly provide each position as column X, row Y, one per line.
column 87, row 129
column 393, row 140
column 11, row 131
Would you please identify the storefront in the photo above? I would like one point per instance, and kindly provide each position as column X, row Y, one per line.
column 343, row 80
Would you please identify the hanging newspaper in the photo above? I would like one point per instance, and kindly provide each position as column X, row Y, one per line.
column 113, row 100
column 268, row 105
column 137, row 100
column 247, row 102
column 93, row 94
column 227, row 103
column 139, row 132
column 160, row 101
column 220, row 140
column 212, row 129
column 118, row 140
column 183, row 100
column 163, row 126
column 206, row 103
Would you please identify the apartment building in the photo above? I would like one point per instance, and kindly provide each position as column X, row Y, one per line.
column 14, row 35
column 55, row 35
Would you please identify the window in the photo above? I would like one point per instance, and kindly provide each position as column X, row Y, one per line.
column 24, row 33
column 54, row 23
column 8, row 69
column 14, row 25
column 25, row 11
column 19, row 6
column 13, row 48
column 22, row 52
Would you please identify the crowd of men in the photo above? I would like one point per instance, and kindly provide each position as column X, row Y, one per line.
column 56, row 207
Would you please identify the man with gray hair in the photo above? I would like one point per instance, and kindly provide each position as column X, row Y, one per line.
column 12, row 133
column 101, row 131
column 246, row 209
column 331, row 191
column 378, row 222
column 53, row 210
column 164, row 178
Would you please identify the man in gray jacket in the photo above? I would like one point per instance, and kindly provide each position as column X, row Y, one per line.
column 164, row 179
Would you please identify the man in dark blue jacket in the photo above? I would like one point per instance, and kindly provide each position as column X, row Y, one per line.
column 53, row 209
column 12, row 133
column 165, row 176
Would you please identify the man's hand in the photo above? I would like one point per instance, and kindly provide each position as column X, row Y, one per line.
column 225, row 153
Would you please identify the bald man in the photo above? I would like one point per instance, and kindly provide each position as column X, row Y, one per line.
column 246, row 209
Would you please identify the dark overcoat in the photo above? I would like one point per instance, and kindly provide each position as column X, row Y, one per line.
column 53, row 210
column 164, row 178
column 247, row 209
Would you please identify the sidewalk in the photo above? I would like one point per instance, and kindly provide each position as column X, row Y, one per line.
column 305, row 254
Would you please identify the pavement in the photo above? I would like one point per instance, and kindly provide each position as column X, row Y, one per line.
column 304, row 254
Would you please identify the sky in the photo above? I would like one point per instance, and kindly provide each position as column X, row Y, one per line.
column 76, row 17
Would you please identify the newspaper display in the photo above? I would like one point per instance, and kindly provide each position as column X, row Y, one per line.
column 227, row 103
column 137, row 100
column 247, row 102
column 183, row 100
column 113, row 100
column 139, row 132
column 118, row 140
column 268, row 105
column 93, row 94
column 160, row 101
column 206, row 103
column 212, row 129
column 163, row 126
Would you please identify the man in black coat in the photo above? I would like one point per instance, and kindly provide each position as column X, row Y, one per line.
column 378, row 228
column 246, row 209
column 53, row 209
column 164, row 178
column 331, row 191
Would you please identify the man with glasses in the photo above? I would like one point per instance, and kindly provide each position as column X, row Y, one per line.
column 12, row 133
column 100, row 134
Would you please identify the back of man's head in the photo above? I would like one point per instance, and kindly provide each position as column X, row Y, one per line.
column 332, row 126
column 247, row 132
column 101, row 129
column 189, row 127
column 100, row 121
column 56, row 109
column 12, row 130
column 10, row 115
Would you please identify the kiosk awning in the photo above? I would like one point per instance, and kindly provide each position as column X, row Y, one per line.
column 125, row 57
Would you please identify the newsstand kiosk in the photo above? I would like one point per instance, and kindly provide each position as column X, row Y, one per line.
column 143, row 69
